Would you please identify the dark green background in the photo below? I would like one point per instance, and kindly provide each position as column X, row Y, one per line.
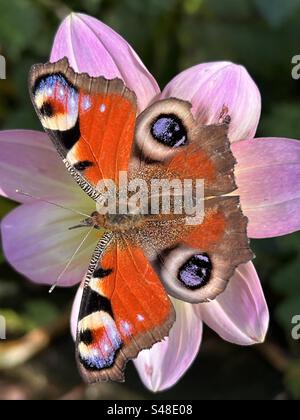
column 169, row 35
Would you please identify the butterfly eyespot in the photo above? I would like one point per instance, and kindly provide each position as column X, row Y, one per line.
column 86, row 337
column 188, row 274
column 169, row 130
column 164, row 128
column 47, row 110
column 56, row 99
column 196, row 272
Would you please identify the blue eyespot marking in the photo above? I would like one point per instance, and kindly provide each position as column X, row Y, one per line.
column 169, row 130
column 55, row 87
column 196, row 272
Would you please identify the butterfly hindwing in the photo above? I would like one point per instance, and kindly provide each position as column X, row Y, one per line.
column 199, row 267
column 124, row 309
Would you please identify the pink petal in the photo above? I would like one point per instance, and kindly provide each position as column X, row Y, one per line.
column 93, row 47
column 75, row 311
column 240, row 315
column 268, row 176
column 38, row 244
column 29, row 162
column 166, row 362
column 212, row 86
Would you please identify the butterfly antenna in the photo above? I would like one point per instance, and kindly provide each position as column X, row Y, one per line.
column 51, row 202
column 70, row 261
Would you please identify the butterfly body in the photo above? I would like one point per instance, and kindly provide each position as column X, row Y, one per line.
column 147, row 248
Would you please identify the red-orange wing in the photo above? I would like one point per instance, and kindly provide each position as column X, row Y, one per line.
column 90, row 120
column 124, row 309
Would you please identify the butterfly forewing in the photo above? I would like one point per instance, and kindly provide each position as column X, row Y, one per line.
column 90, row 120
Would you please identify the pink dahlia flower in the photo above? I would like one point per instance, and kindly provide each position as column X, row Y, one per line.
column 36, row 239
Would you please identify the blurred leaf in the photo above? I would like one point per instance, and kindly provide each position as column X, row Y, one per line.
column 23, row 118
column 16, row 324
column 282, row 121
column 277, row 11
column 292, row 379
column 41, row 312
column 93, row 5
column 7, row 288
column 6, row 206
column 232, row 9
column 289, row 243
column 192, row 6
column 37, row 313
column 286, row 281
column 286, row 310
column 151, row 7
column 267, row 258
column 20, row 23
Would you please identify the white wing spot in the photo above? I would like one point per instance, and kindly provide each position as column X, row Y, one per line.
column 125, row 327
column 86, row 103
